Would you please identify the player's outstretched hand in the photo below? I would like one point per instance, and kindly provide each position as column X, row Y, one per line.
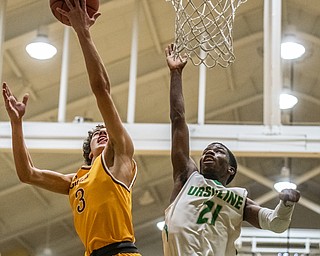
column 289, row 195
column 16, row 109
column 78, row 15
column 174, row 61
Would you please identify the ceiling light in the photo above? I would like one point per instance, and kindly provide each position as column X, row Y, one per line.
column 287, row 101
column 46, row 251
column 41, row 49
column 284, row 182
column 281, row 185
column 291, row 50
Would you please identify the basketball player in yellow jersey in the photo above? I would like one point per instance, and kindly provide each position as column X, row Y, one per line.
column 100, row 193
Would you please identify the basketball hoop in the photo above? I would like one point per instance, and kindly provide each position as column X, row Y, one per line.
column 203, row 30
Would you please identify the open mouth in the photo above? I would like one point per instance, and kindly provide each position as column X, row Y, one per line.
column 208, row 159
column 102, row 139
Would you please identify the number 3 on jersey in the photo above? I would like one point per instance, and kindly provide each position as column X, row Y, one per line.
column 81, row 201
column 208, row 205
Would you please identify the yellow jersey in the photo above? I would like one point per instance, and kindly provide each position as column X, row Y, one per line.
column 101, row 206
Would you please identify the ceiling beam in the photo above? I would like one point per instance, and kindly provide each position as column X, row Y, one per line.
column 244, row 140
column 310, row 205
column 116, row 89
column 235, row 105
column 20, row 186
column 152, row 27
column 308, row 98
column 34, row 226
column 255, row 176
column 25, row 245
column 272, row 194
column 266, row 197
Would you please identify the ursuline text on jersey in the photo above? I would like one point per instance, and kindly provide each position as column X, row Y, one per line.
column 226, row 195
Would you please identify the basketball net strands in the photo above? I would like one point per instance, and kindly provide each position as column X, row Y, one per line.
column 203, row 30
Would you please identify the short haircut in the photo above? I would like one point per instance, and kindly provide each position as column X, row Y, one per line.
column 86, row 144
column 232, row 160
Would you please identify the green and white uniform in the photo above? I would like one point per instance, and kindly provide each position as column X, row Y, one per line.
column 204, row 219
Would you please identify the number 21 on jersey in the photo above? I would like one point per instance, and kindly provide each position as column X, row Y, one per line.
column 208, row 208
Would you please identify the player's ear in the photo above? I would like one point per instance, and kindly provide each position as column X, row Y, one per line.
column 91, row 155
column 231, row 170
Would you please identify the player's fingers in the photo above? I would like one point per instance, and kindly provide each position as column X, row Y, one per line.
column 11, row 100
column 8, row 91
column 170, row 49
column 6, row 101
column 79, row 4
column 4, row 88
column 283, row 196
column 96, row 15
column 25, row 99
column 83, row 4
column 289, row 195
column 62, row 12
column 185, row 58
column 69, row 4
column 166, row 51
column 4, row 94
column 173, row 47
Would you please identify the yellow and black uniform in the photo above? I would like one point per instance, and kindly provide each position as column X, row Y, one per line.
column 101, row 207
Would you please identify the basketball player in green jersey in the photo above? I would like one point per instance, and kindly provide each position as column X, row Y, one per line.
column 103, row 222
column 204, row 216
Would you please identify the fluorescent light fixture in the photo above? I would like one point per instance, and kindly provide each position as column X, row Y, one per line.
column 160, row 225
column 279, row 186
column 41, row 49
column 287, row 101
column 47, row 252
column 292, row 50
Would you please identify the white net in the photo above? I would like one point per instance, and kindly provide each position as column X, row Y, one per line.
column 203, row 30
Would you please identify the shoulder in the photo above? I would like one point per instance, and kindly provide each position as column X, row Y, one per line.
column 240, row 191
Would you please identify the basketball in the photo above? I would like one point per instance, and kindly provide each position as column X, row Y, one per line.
column 92, row 8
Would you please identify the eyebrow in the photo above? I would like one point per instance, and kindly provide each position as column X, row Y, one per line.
column 216, row 147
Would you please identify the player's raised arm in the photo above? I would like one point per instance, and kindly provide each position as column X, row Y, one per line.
column 110, row 152
column 182, row 164
column 25, row 169
column 98, row 76
column 276, row 220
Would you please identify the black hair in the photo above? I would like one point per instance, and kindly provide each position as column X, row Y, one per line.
column 86, row 144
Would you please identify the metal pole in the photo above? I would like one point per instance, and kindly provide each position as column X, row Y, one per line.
column 3, row 4
column 133, row 65
column 202, row 91
column 272, row 81
column 64, row 77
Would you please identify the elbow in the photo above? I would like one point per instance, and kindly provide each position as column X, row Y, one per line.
column 24, row 179
column 25, row 176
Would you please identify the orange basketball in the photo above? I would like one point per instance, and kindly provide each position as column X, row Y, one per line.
column 92, row 8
